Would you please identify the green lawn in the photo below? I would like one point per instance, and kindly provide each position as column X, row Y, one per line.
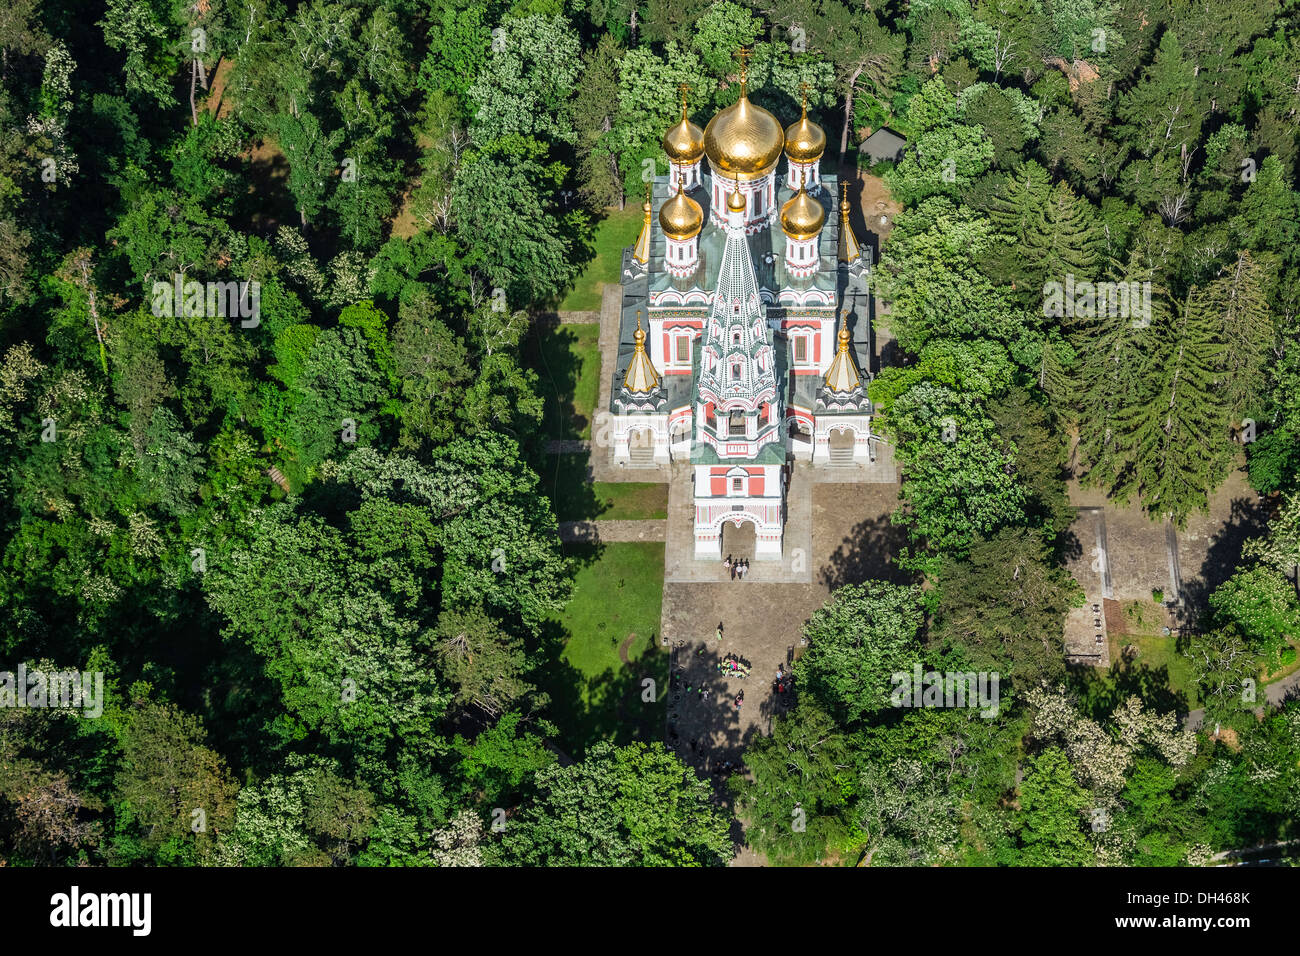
column 617, row 594
column 1156, row 651
column 1158, row 669
column 1273, row 671
column 615, row 232
column 564, row 479
column 567, row 361
column 1158, row 673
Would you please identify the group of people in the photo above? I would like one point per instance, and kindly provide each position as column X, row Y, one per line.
column 738, row 568
column 733, row 666
column 784, row 679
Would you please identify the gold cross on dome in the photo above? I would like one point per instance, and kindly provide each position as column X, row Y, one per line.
column 683, row 89
column 803, row 92
column 744, row 55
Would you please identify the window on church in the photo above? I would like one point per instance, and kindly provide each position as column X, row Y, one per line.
column 736, row 425
column 683, row 348
column 738, row 486
column 735, row 373
column 801, row 348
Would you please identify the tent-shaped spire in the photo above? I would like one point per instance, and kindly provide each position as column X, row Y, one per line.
column 849, row 252
column 641, row 376
column 738, row 367
column 641, row 251
column 842, row 377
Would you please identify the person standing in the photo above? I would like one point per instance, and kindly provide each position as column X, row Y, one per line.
column 719, row 630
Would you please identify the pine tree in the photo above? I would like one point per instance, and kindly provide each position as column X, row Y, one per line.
column 1181, row 429
column 1238, row 307
column 1050, row 232
column 1109, row 389
column 1070, row 240
column 1163, row 112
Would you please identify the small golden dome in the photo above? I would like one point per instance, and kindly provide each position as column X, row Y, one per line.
column 736, row 201
column 805, row 141
column 744, row 141
column 681, row 217
column 684, row 142
column 802, row 217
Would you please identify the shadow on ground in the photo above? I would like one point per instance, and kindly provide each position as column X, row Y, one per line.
column 867, row 553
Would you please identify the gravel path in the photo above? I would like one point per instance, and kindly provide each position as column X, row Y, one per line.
column 644, row 530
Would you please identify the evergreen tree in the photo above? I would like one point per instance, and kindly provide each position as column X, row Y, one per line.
column 1181, row 429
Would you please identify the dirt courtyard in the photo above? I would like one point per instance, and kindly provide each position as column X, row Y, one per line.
column 852, row 540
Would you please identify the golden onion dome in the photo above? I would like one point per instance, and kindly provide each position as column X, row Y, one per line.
column 684, row 142
column 805, row 141
column 743, row 141
column 736, row 200
column 802, row 217
column 681, row 217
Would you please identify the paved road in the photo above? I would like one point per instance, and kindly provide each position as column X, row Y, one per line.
column 1273, row 693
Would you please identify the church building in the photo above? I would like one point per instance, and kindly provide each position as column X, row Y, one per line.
column 745, row 330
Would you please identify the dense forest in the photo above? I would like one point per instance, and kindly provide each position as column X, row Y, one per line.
column 303, row 536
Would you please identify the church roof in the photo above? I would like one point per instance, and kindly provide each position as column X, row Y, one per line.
column 767, row 246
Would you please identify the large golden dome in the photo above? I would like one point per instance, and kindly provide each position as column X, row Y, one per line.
column 743, row 141
column 681, row 217
column 684, row 143
column 805, row 141
column 802, row 217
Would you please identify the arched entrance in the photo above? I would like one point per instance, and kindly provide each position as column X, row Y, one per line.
column 739, row 542
column 840, row 450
